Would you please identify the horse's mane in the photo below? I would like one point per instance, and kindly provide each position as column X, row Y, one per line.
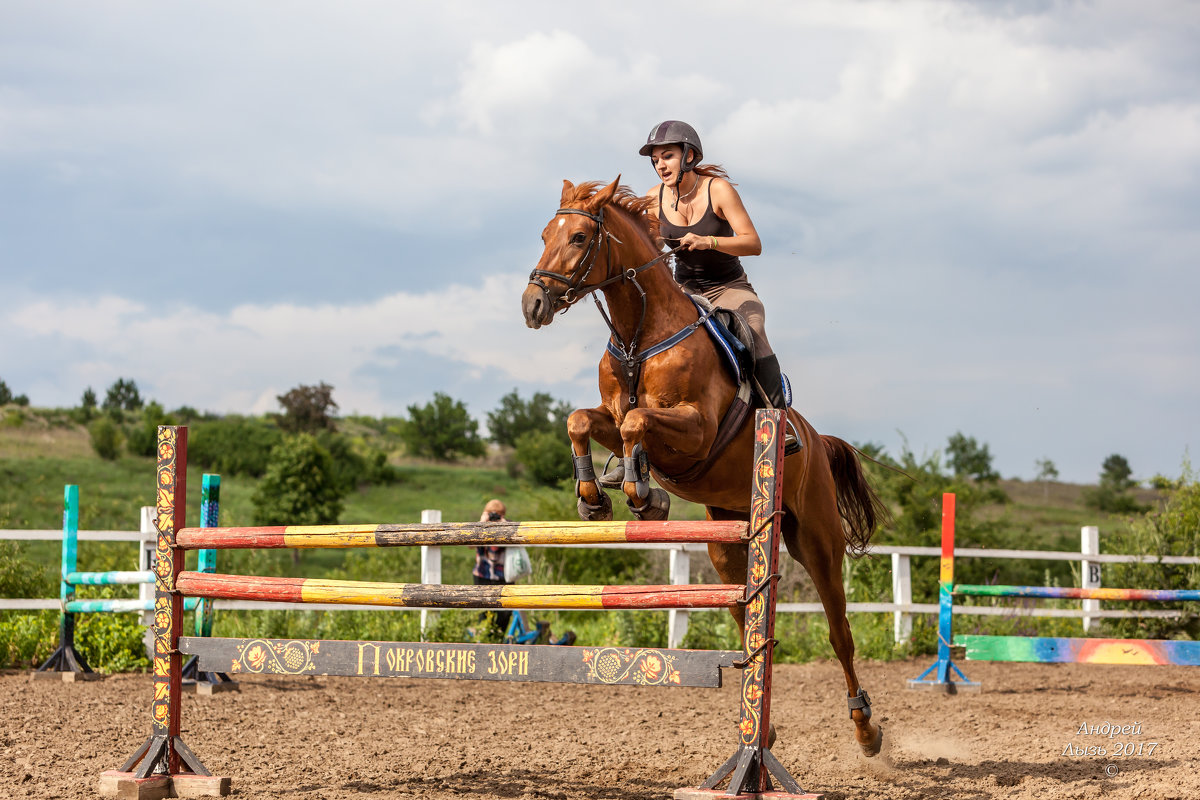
column 635, row 205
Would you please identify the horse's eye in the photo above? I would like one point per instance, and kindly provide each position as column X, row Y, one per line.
column 578, row 239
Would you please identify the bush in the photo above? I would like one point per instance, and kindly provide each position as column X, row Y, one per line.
column 441, row 429
column 142, row 439
column 356, row 462
column 106, row 438
column 516, row 417
column 1174, row 531
column 27, row 639
column 545, row 456
column 233, row 445
column 300, row 486
column 20, row 577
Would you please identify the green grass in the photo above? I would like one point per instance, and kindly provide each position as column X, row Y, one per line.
column 40, row 451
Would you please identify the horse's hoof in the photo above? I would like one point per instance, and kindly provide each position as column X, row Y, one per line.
column 596, row 513
column 875, row 745
column 771, row 737
column 657, row 506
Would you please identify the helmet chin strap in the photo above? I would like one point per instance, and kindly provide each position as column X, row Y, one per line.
column 684, row 168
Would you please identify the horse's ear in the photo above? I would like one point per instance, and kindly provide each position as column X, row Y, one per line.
column 603, row 197
column 568, row 192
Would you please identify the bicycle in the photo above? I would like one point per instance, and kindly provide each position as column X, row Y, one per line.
column 520, row 633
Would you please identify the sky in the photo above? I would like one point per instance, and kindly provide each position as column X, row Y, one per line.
column 976, row 216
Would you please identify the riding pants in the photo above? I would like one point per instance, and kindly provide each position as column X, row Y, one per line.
column 738, row 295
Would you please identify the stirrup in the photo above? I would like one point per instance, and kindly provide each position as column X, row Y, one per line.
column 612, row 478
column 791, row 440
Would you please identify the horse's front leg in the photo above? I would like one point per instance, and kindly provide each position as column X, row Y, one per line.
column 678, row 428
column 583, row 426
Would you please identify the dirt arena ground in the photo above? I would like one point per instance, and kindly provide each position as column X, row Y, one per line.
column 371, row 739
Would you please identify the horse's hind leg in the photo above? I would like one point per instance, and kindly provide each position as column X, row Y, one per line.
column 821, row 548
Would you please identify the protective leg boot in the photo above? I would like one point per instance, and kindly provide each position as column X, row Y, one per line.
column 770, row 379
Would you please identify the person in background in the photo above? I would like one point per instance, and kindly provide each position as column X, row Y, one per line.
column 489, row 561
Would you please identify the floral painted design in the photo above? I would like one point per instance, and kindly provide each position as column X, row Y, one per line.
column 643, row 667
column 292, row 657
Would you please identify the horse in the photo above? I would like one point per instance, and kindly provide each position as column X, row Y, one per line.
column 663, row 412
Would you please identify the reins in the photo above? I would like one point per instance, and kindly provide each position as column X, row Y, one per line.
column 576, row 290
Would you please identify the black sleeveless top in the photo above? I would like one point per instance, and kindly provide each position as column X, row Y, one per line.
column 703, row 268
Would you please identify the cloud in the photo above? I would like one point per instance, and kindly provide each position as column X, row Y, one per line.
column 973, row 214
column 238, row 360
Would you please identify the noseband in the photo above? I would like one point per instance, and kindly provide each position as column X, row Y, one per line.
column 581, row 271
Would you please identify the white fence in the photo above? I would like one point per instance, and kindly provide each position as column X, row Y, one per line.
column 679, row 568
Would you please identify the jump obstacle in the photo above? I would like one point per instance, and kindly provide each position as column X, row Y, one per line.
column 66, row 663
column 1033, row 648
column 165, row 766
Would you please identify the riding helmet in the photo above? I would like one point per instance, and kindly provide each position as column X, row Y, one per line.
column 673, row 131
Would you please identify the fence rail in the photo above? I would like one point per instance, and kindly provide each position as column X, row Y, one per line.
column 679, row 570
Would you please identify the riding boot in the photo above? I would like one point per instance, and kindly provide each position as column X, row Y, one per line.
column 770, row 381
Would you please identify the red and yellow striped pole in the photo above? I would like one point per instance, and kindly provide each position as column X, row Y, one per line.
column 464, row 533
column 416, row 595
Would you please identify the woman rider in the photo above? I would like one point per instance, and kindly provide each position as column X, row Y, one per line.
column 698, row 209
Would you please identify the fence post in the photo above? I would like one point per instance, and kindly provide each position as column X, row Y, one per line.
column 431, row 561
column 902, row 595
column 677, row 618
column 1090, row 574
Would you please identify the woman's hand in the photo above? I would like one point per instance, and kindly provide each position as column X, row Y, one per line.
column 691, row 241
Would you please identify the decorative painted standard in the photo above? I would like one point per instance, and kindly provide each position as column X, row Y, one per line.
column 943, row 681
column 1044, row 649
column 164, row 763
column 165, row 758
column 750, row 768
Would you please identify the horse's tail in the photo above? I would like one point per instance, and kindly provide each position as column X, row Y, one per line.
column 857, row 502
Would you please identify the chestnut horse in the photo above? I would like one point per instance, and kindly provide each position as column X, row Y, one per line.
column 605, row 239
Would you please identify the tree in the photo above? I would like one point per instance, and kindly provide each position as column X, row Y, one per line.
column 1046, row 473
column 307, row 409
column 88, row 401
column 122, row 395
column 1116, row 472
column 515, row 417
column 299, row 487
column 1112, row 495
column 6, row 395
column 970, row 459
column 441, row 429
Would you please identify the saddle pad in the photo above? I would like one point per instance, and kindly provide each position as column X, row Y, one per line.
column 739, row 354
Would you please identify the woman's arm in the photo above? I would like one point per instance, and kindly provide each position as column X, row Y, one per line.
column 728, row 205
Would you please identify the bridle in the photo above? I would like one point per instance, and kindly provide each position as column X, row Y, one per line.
column 577, row 290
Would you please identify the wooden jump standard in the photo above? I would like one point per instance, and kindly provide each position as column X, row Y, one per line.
column 164, row 765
